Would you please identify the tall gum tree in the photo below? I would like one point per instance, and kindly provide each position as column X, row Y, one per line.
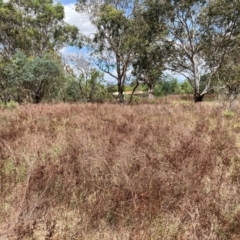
column 113, row 53
column 201, row 34
column 114, row 41
column 149, row 53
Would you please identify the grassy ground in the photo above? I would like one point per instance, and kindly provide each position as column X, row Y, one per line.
column 168, row 170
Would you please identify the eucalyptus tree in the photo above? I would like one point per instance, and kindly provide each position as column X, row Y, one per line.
column 227, row 78
column 200, row 36
column 127, row 41
column 114, row 52
column 36, row 28
column 35, row 75
column 114, row 42
column 149, row 50
column 33, row 26
column 92, row 6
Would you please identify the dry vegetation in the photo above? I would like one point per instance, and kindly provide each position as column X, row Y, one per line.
column 147, row 171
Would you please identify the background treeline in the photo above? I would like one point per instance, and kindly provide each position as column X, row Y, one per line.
column 134, row 42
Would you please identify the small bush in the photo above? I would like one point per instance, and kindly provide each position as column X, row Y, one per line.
column 11, row 105
column 228, row 113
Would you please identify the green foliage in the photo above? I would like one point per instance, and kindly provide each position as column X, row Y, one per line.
column 165, row 87
column 157, row 91
column 192, row 38
column 10, row 167
column 227, row 79
column 186, row 87
column 112, row 42
column 35, row 27
column 149, row 52
column 36, row 75
column 172, row 86
column 31, row 33
column 111, row 23
column 87, row 88
column 198, row 39
column 200, row 35
column 11, row 105
column 111, row 88
column 228, row 113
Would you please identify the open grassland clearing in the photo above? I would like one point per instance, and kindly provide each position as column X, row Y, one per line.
column 147, row 171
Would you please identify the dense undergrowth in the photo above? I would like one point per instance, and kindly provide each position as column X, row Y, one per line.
column 147, row 171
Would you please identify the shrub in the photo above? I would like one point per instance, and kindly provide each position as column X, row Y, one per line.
column 228, row 113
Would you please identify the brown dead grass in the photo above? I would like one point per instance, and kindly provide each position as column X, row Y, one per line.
column 147, row 171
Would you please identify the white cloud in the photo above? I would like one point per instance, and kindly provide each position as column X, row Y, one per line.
column 81, row 20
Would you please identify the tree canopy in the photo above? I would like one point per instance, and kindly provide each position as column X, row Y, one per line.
column 136, row 41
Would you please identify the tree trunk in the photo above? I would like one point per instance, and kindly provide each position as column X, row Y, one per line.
column 6, row 98
column 198, row 97
column 150, row 90
column 120, row 94
column 134, row 89
column 121, row 98
column 19, row 99
column 37, row 97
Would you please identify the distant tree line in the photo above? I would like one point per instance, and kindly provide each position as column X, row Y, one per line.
column 135, row 42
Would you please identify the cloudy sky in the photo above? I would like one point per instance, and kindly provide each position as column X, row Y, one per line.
column 80, row 20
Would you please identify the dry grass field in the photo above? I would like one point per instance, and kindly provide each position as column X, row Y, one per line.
column 164, row 170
